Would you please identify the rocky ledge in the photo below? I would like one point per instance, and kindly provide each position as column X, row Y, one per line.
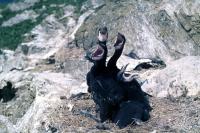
column 48, row 70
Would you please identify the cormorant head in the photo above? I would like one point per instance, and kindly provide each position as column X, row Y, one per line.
column 98, row 54
column 102, row 35
column 9, row 84
column 101, row 50
column 119, row 44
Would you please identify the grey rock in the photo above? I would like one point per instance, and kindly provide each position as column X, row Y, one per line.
column 50, row 60
column 21, row 5
column 92, row 4
column 179, row 78
column 155, row 29
column 132, row 63
column 152, row 28
column 30, row 14
column 77, row 68
column 10, row 61
column 24, row 96
column 38, row 94
column 52, row 35
column 23, row 48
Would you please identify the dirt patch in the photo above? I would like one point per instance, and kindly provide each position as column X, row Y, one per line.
column 168, row 115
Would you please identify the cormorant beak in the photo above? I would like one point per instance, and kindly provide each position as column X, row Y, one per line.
column 120, row 41
column 121, row 76
column 103, row 34
column 98, row 53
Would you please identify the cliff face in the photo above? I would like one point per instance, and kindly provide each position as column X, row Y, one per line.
column 48, row 68
column 154, row 29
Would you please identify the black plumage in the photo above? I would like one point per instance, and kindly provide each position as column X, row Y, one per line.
column 131, row 88
column 106, row 93
column 138, row 102
column 131, row 112
column 118, row 100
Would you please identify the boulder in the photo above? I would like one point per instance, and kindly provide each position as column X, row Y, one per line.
column 10, row 61
column 179, row 78
column 154, row 29
column 38, row 94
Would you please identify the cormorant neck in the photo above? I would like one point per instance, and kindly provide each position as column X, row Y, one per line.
column 103, row 44
column 99, row 66
column 112, row 63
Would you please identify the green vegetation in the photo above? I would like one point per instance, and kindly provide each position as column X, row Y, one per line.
column 11, row 37
column 2, row 6
column 7, row 14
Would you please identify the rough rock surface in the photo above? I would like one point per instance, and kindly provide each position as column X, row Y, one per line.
column 179, row 78
column 48, row 69
column 37, row 94
column 9, row 61
column 20, row 18
column 165, row 29
column 21, row 5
